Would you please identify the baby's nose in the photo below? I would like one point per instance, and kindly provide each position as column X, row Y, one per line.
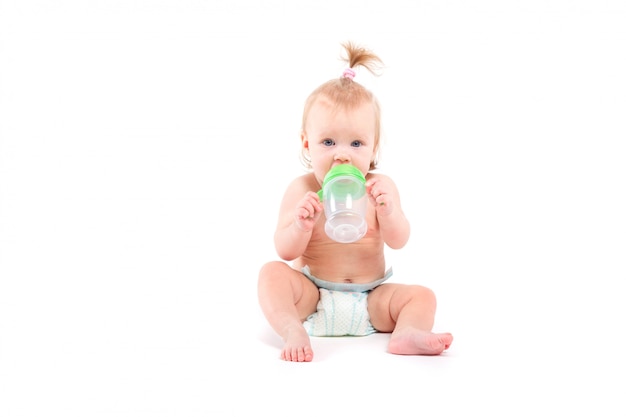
column 343, row 157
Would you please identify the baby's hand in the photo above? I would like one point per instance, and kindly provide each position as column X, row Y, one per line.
column 308, row 210
column 380, row 193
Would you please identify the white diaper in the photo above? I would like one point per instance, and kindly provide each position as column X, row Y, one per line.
column 340, row 313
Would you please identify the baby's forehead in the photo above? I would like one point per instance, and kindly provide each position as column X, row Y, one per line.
column 331, row 109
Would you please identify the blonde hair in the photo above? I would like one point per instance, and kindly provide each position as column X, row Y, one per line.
column 346, row 93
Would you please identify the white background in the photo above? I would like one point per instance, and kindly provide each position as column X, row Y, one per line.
column 144, row 148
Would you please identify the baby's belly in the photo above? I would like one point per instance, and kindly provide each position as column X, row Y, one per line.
column 352, row 263
column 347, row 272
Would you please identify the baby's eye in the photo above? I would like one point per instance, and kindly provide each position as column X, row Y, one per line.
column 328, row 142
column 357, row 143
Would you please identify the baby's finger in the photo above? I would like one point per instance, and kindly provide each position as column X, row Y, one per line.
column 369, row 185
column 315, row 205
column 302, row 213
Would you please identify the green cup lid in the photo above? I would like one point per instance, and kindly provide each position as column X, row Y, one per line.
column 341, row 170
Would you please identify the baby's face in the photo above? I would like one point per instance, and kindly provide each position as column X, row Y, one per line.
column 339, row 136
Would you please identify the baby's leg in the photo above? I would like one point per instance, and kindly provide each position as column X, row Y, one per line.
column 408, row 311
column 287, row 298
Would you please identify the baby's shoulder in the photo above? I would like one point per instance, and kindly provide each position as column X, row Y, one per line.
column 306, row 182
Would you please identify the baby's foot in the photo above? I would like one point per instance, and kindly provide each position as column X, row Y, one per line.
column 297, row 346
column 411, row 341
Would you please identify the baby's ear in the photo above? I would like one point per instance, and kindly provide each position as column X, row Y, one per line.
column 305, row 140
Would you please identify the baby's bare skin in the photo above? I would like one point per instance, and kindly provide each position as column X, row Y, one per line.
column 297, row 347
column 413, row 341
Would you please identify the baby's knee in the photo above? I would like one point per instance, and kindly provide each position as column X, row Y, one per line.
column 271, row 270
column 423, row 294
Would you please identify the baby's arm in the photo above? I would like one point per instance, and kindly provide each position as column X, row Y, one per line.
column 299, row 212
column 394, row 226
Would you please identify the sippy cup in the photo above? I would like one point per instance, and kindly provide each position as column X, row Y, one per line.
column 345, row 203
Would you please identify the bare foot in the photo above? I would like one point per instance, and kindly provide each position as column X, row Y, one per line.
column 297, row 346
column 411, row 341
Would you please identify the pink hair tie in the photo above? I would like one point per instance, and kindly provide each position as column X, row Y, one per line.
column 349, row 73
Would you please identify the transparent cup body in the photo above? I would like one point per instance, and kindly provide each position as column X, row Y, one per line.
column 345, row 205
